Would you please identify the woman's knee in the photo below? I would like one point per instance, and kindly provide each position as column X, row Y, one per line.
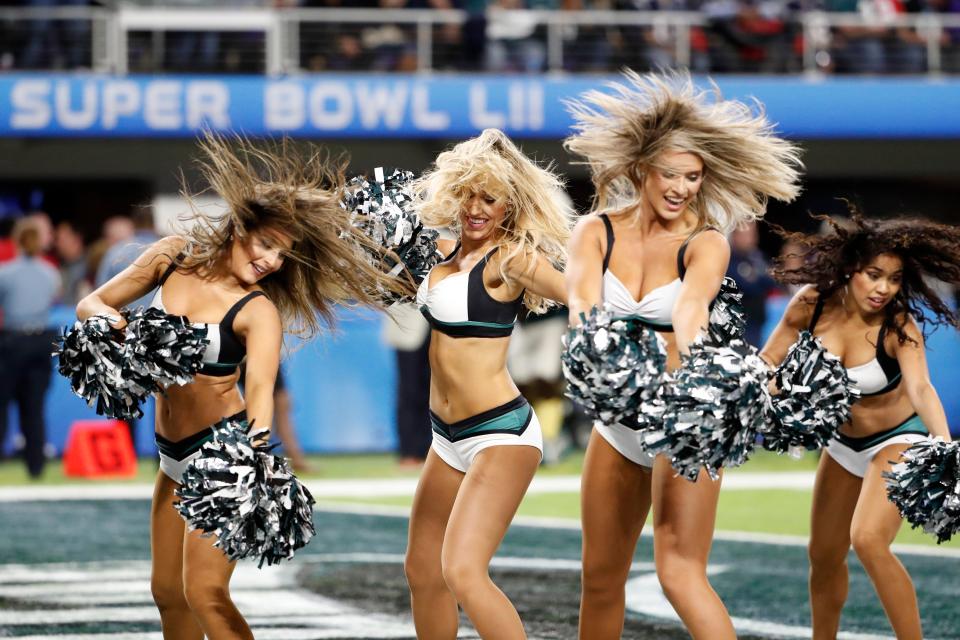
column 423, row 573
column 168, row 595
column 463, row 576
column 826, row 556
column 870, row 546
column 205, row 596
column 677, row 576
column 604, row 576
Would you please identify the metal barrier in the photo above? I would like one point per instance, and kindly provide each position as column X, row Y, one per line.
column 132, row 38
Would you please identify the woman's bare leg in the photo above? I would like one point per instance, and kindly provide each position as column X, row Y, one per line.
column 435, row 613
column 876, row 522
column 835, row 494
column 684, row 515
column 167, row 530
column 488, row 499
column 206, row 580
column 614, row 501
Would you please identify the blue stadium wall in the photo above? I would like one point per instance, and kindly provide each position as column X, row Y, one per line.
column 338, row 405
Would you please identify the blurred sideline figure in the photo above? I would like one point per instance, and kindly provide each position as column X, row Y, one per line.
column 28, row 288
column 406, row 331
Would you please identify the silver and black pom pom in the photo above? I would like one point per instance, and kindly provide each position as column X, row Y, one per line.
column 728, row 318
column 925, row 486
column 248, row 498
column 613, row 366
column 384, row 212
column 93, row 356
column 814, row 400
column 163, row 349
column 118, row 370
column 713, row 406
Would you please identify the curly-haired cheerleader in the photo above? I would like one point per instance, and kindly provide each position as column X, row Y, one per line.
column 512, row 222
column 673, row 167
column 867, row 291
column 274, row 261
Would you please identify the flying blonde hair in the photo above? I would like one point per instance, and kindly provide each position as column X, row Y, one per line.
column 621, row 133
column 539, row 214
column 273, row 186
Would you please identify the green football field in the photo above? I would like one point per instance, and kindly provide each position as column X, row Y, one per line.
column 74, row 563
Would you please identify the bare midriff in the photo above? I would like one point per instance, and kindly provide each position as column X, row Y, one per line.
column 878, row 413
column 468, row 376
column 186, row 410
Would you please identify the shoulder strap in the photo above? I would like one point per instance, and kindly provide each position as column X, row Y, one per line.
column 456, row 248
column 681, row 268
column 887, row 362
column 817, row 310
column 609, row 227
column 235, row 309
column 171, row 268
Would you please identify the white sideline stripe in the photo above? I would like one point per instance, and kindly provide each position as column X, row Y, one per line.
column 378, row 487
column 570, row 524
column 798, row 480
column 644, row 596
column 272, row 603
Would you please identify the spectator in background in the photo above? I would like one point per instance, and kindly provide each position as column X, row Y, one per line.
column 124, row 250
column 125, row 240
column 72, row 256
column 748, row 267
column 408, row 333
column 862, row 49
column 28, row 288
column 512, row 42
column 533, row 359
column 44, row 227
column 56, row 44
column 950, row 37
column 115, row 229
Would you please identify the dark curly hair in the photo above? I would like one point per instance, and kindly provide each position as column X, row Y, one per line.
column 927, row 249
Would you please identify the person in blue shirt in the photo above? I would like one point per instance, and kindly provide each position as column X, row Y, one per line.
column 122, row 254
column 28, row 288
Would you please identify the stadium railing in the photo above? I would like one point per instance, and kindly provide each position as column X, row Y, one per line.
column 130, row 38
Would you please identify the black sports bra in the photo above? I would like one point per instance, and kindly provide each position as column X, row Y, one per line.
column 873, row 378
column 225, row 351
column 460, row 306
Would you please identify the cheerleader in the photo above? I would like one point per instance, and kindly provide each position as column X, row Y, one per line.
column 512, row 221
column 275, row 261
column 869, row 286
column 674, row 167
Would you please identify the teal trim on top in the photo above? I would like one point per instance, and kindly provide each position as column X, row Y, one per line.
column 466, row 323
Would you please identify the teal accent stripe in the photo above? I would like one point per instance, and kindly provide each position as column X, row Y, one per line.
column 512, row 421
column 472, row 323
column 180, row 454
column 912, row 425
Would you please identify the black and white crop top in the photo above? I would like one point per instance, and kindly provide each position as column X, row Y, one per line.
column 459, row 305
column 873, row 378
column 225, row 352
column 656, row 308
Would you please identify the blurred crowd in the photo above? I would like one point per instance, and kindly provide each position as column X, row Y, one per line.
column 752, row 36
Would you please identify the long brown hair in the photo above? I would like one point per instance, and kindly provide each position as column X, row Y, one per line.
column 928, row 251
column 273, row 185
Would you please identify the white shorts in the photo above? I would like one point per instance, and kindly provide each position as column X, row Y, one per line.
column 176, row 456
column 511, row 424
column 855, row 454
column 626, row 441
